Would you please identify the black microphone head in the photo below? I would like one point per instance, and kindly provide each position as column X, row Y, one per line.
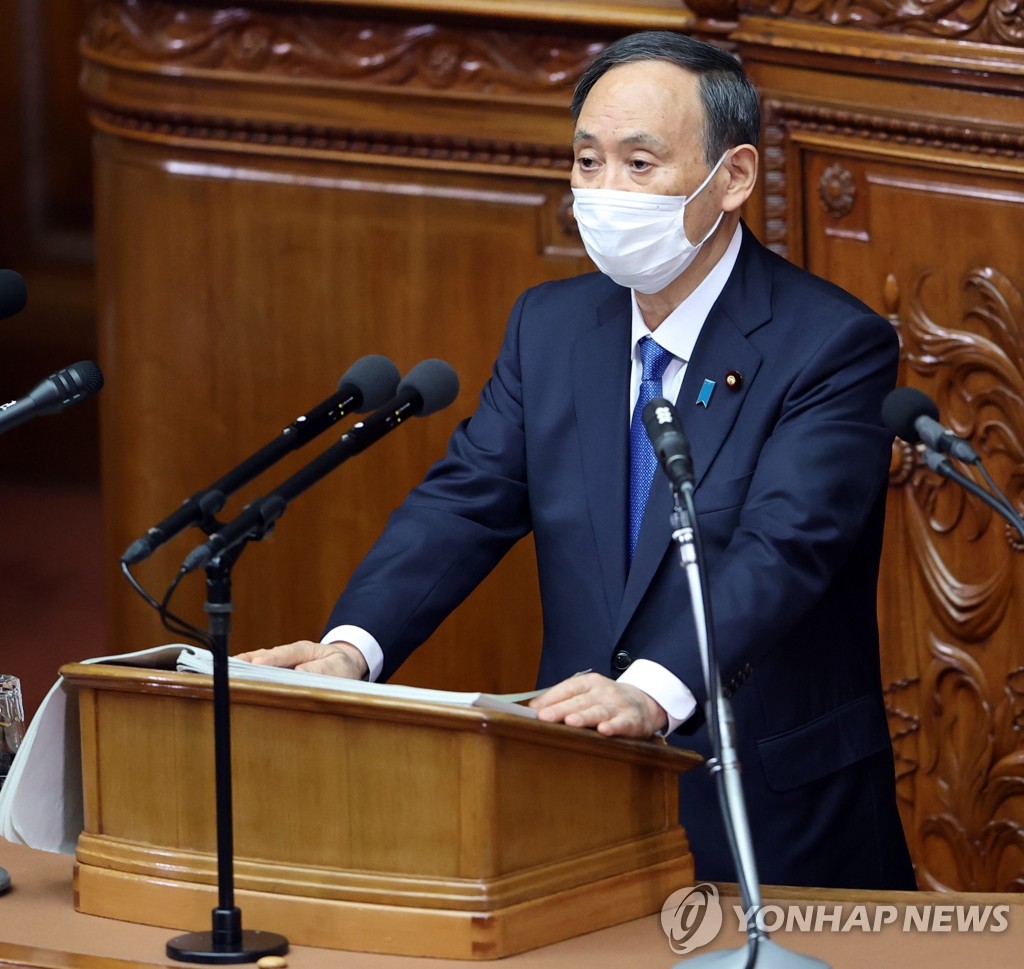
column 374, row 378
column 435, row 381
column 901, row 409
column 659, row 417
column 83, row 379
column 671, row 446
column 66, row 387
column 13, row 294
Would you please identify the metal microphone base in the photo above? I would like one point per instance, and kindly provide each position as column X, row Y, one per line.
column 769, row 956
column 200, row 947
column 226, row 942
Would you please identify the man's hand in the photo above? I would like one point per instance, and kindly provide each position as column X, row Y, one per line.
column 590, row 700
column 331, row 659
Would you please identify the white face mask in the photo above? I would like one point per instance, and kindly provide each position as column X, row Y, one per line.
column 637, row 239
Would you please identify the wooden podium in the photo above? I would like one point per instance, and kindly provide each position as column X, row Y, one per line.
column 370, row 824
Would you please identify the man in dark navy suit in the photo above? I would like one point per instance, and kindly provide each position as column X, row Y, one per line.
column 778, row 378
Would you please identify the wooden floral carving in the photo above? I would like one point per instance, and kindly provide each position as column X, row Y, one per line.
column 987, row 21
column 962, row 752
column 429, row 56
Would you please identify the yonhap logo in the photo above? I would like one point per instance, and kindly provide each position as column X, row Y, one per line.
column 691, row 917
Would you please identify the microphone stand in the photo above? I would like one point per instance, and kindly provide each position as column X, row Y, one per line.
column 226, row 942
column 430, row 386
column 759, row 951
column 941, row 465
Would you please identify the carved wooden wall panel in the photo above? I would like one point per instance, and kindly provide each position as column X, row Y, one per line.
column 987, row 21
column 908, row 190
column 956, row 683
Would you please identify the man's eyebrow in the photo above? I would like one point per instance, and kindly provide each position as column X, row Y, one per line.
column 640, row 140
column 644, row 140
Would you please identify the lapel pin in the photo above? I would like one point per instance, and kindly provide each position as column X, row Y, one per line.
column 734, row 380
column 706, row 390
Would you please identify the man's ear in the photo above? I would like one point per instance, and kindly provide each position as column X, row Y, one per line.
column 741, row 167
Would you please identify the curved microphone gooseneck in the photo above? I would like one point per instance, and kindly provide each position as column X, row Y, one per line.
column 913, row 417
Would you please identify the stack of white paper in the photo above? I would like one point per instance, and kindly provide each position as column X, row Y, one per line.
column 41, row 800
column 201, row 661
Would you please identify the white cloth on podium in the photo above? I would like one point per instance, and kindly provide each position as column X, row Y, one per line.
column 41, row 800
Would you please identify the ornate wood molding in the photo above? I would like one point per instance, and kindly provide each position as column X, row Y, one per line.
column 334, row 47
column 962, row 743
column 287, row 138
column 635, row 15
column 837, row 190
column 999, row 22
column 977, row 369
column 975, row 140
column 140, row 53
column 278, row 79
column 901, row 707
column 971, row 751
column 782, row 120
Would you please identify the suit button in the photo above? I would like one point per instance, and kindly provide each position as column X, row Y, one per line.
column 621, row 660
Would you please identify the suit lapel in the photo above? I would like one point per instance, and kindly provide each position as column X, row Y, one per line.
column 722, row 346
column 600, row 379
column 720, row 349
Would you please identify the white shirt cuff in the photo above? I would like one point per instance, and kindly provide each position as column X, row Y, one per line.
column 664, row 688
column 362, row 641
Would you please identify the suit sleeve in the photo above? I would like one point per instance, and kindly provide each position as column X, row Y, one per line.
column 792, row 542
column 453, row 528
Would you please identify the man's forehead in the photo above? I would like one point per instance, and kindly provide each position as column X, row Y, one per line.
column 663, row 74
column 643, row 92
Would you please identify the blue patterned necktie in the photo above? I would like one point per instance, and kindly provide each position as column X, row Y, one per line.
column 642, row 460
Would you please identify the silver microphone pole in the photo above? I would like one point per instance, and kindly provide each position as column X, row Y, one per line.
column 760, row 952
column 673, row 452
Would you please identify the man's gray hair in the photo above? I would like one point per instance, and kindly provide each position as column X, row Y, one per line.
column 732, row 112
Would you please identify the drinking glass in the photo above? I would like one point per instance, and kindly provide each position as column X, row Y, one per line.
column 12, row 722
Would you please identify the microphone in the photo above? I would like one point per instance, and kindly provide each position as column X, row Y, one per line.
column 13, row 294
column 912, row 415
column 56, row 393
column 669, row 442
column 429, row 387
column 365, row 385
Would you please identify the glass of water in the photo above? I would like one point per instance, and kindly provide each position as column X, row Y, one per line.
column 12, row 722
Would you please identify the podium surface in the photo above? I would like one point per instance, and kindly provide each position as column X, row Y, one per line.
column 370, row 824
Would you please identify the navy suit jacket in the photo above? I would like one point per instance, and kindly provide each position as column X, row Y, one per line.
column 791, row 467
